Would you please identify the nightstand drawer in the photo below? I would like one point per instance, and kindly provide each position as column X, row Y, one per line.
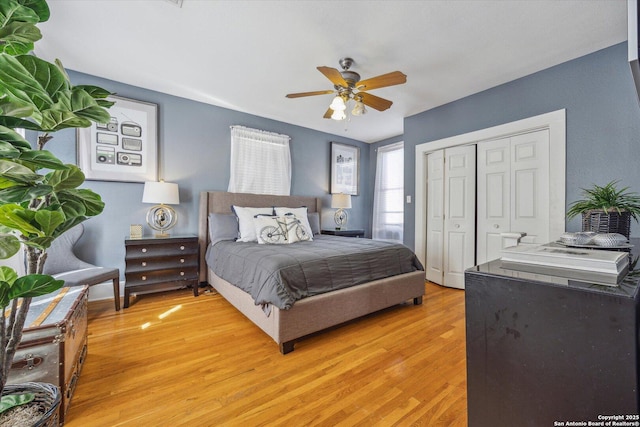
column 160, row 276
column 164, row 262
column 164, row 249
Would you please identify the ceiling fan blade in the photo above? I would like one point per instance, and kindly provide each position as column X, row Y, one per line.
column 374, row 102
column 389, row 79
column 333, row 75
column 328, row 114
column 301, row 94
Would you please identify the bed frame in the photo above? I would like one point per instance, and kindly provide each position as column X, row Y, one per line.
column 311, row 314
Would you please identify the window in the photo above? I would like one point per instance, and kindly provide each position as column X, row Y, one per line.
column 388, row 203
column 260, row 162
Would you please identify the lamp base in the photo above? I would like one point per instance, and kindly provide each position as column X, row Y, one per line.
column 341, row 218
column 161, row 235
column 162, row 218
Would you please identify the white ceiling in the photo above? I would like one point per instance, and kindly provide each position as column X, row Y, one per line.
column 247, row 55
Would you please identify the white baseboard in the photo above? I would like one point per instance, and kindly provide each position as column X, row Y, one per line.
column 104, row 291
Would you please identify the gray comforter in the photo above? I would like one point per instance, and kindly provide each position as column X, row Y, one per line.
column 283, row 274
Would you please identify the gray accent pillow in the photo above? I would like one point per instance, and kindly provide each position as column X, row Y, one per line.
column 314, row 222
column 222, row 227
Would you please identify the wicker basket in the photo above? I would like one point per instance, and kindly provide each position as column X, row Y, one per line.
column 607, row 222
column 46, row 395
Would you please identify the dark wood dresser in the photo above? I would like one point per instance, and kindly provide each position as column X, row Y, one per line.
column 543, row 350
column 160, row 264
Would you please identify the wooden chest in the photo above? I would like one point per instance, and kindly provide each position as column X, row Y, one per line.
column 54, row 342
column 160, row 264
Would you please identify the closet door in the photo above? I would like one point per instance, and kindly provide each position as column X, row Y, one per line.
column 435, row 216
column 530, row 185
column 513, row 191
column 494, row 196
column 459, row 213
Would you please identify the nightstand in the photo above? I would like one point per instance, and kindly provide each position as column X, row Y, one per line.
column 160, row 264
column 344, row 233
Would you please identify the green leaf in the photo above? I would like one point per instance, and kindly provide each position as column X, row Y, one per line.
column 83, row 105
column 34, row 285
column 23, row 193
column 17, row 38
column 40, row 159
column 71, row 177
column 40, row 7
column 49, row 220
column 7, row 150
column 14, row 11
column 90, row 200
column 16, row 122
column 18, row 173
column 8, row 275
column 12, row 400
column 12, row 137
column 9, row 246
column 14, row 216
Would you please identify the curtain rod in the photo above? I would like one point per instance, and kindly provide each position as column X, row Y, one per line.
column 259, row 130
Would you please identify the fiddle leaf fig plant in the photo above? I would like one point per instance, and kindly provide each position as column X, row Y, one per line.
column 40, row 196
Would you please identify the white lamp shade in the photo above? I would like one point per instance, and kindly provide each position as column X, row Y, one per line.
column 161, row 192
column 341, row 201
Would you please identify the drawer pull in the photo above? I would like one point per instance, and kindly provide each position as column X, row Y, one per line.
column 144, row 277
column 144, row 263
column 144, row 250
column 182, row 247
column 181, row 260
column 182, row 273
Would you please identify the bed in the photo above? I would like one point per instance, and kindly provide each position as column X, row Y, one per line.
column 310, row 314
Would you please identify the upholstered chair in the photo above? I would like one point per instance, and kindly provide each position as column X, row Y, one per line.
column 63, row 264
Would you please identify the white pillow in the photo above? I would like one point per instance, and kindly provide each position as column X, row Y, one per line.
column 301, row 215
column 245, row 222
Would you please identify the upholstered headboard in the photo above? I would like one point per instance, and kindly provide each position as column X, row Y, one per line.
column 221, row 202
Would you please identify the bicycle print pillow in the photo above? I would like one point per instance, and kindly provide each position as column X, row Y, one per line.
column 277, row 230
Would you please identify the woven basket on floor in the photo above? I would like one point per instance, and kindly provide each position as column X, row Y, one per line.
column 46, row 395
column 607, row 222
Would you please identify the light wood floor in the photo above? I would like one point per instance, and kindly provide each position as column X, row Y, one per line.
column 204, row 364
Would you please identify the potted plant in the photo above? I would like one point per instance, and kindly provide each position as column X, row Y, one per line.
column 607, row 209
column 39, row 195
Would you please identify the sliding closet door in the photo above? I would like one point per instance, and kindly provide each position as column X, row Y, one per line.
column 435, row 216
column 494, row 197
column 530, row 185
column 459, row 213
column 513, row 191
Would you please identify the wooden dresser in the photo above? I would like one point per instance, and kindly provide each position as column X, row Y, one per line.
column 160, row 264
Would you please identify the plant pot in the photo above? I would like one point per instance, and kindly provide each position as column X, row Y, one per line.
column 607, row 222
column 47, row 397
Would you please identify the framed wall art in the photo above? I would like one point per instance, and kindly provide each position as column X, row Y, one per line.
column 126, row 148
column 345, row 168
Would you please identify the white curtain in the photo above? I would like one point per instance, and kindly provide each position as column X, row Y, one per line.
column 260, row 162
column 388, row 203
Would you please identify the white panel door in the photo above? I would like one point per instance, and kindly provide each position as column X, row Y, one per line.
column 459, row 213
column 494, row 195
column 435, row 216
column 530, row 185
column 513, row 191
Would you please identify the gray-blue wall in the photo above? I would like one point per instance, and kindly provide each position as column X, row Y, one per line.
column 603, row 122
column 194, row 149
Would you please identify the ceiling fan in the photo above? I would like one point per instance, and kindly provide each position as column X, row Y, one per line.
column 348, row 86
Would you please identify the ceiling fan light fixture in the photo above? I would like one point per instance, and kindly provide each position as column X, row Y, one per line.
column 338, row 104
column 358, row 109
column 338, row 115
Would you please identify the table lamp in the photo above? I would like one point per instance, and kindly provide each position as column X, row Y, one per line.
column 341, row 201
column 161, row 217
